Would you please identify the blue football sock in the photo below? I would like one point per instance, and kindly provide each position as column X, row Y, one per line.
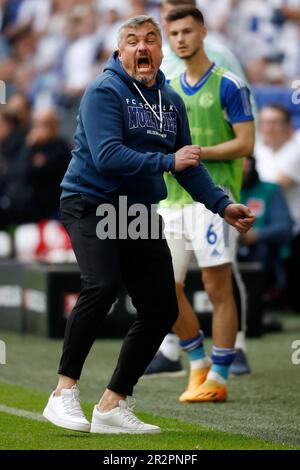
column 222, row 359
column 221, row 370
column 195, row 350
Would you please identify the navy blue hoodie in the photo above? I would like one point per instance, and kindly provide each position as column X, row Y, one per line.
column 121, row 148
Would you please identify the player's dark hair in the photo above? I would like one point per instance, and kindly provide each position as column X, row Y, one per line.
column 183, row 12
column 180, row 3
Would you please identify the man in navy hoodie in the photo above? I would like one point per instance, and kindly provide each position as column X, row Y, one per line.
column 132, row 127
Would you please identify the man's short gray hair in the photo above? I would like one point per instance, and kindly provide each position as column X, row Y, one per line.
column 137, row 21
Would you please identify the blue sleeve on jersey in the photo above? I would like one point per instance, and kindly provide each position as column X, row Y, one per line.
column 235, row 99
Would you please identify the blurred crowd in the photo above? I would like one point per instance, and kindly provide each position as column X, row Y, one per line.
column 51, row 49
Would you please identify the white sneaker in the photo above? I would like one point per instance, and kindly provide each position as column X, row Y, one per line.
column 120, row 420
column 65, row 411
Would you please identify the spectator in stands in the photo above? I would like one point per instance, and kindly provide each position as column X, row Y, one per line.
column 47, row 157
column 18, row 105
column 8, row 67
column 253, row 31
column 278, row 154
column 34, row 13
column 23, row 47
column 59, row 11
column 278, row 161
column 216, row 14
column 273, row 226
column 11, row 134
column 78, row 66
column 80, row 55
column 11, row 143
column 287, row 15
column 9, row 11
column 33, row 194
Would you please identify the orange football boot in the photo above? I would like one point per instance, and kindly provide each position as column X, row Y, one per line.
column 196, row 378
column 208, row 391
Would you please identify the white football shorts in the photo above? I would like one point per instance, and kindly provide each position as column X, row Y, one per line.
column 195, row 229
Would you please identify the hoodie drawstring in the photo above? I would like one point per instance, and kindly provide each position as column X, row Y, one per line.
column 160, row 116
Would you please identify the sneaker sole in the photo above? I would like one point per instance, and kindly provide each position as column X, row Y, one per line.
column 180, row 373
column 115, row 430
column 218, row 399
column 47, row 413
column 215, row 400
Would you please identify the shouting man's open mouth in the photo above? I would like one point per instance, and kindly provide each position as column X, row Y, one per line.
column 143, row 64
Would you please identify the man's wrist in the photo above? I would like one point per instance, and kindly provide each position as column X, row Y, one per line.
column 170, row 163
column 223, row 205
column 206, row 153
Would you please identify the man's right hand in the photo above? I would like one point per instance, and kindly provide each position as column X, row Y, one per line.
column 187, row 156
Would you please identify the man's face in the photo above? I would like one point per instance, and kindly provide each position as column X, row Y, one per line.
column 186, row 37
column 273, row 126
column 140, row 51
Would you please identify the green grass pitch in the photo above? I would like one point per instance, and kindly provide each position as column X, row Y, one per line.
column 263, row 410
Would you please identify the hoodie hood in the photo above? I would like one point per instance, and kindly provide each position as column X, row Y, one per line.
column 114, row 65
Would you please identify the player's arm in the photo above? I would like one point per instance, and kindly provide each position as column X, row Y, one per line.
column 241, row 145
column 236, row 105
column 199, row 184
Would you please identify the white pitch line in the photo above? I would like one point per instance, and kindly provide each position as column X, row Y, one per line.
column 24, row 413
column 39, row 417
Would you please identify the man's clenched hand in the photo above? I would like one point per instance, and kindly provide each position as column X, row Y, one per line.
column 240, row 217
column 187, row 156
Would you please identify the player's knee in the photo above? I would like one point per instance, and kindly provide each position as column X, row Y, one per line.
column 213, row 288
column 217, row 283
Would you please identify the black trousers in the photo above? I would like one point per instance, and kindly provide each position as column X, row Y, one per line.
column 145, row 268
